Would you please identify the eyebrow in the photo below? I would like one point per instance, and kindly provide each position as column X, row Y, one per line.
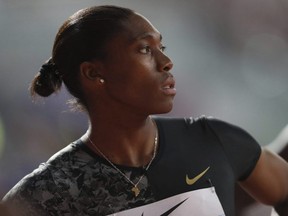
column 146, row 35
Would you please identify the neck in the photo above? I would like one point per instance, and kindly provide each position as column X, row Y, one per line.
column 123, row 141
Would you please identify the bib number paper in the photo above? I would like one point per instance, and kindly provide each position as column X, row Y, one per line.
column 202, row 202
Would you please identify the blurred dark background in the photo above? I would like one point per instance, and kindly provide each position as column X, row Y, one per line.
column 230, row 61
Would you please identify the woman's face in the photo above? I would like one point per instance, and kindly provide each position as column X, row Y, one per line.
column 137, row 72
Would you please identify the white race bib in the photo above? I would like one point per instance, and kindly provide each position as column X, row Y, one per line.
column 202, row 202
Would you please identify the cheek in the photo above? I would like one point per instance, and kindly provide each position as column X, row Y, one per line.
column 129, row 71
column 120, row 82
column 132, row 76
column 136, row 89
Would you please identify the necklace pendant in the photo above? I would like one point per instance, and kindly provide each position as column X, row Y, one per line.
column 136, row 191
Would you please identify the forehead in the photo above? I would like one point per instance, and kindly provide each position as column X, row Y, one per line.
column 137, row 27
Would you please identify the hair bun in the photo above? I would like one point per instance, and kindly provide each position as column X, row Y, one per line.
column 47, row 81
column 49, row 69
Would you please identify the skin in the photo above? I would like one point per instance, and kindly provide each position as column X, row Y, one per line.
column 268, row 182
column 122, row 104
column 135, row 74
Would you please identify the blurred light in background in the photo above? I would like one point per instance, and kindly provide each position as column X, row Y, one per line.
column 2, row 137
column 265, row 64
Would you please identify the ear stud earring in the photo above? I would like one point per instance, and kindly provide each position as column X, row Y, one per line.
column 101, row 81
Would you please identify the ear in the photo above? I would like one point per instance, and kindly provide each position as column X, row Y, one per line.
column 90, row 70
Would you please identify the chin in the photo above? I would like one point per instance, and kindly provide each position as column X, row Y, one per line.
column 164, row 109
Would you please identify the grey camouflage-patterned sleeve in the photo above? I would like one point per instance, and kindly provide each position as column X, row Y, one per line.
column 36, row 194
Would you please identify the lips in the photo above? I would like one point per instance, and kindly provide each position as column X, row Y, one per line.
column 168, row 87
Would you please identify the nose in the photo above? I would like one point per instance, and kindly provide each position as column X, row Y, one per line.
column 164, row 63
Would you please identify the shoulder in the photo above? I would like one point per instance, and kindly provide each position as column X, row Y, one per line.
column 206, row 123
column 51, row 176
column 179, row 121
column 239, row 147
column 202, row 122
column 27, row 194
column 68, row 155
column 51, row 184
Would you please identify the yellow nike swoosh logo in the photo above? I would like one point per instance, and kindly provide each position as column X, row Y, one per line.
column 196, row 178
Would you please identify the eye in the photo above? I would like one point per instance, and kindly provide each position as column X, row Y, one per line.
column 163, row 48
column 145, row 50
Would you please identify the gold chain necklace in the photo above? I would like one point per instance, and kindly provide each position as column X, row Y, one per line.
column 135, row 188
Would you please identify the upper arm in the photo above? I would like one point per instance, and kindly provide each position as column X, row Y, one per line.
column 268, row 182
